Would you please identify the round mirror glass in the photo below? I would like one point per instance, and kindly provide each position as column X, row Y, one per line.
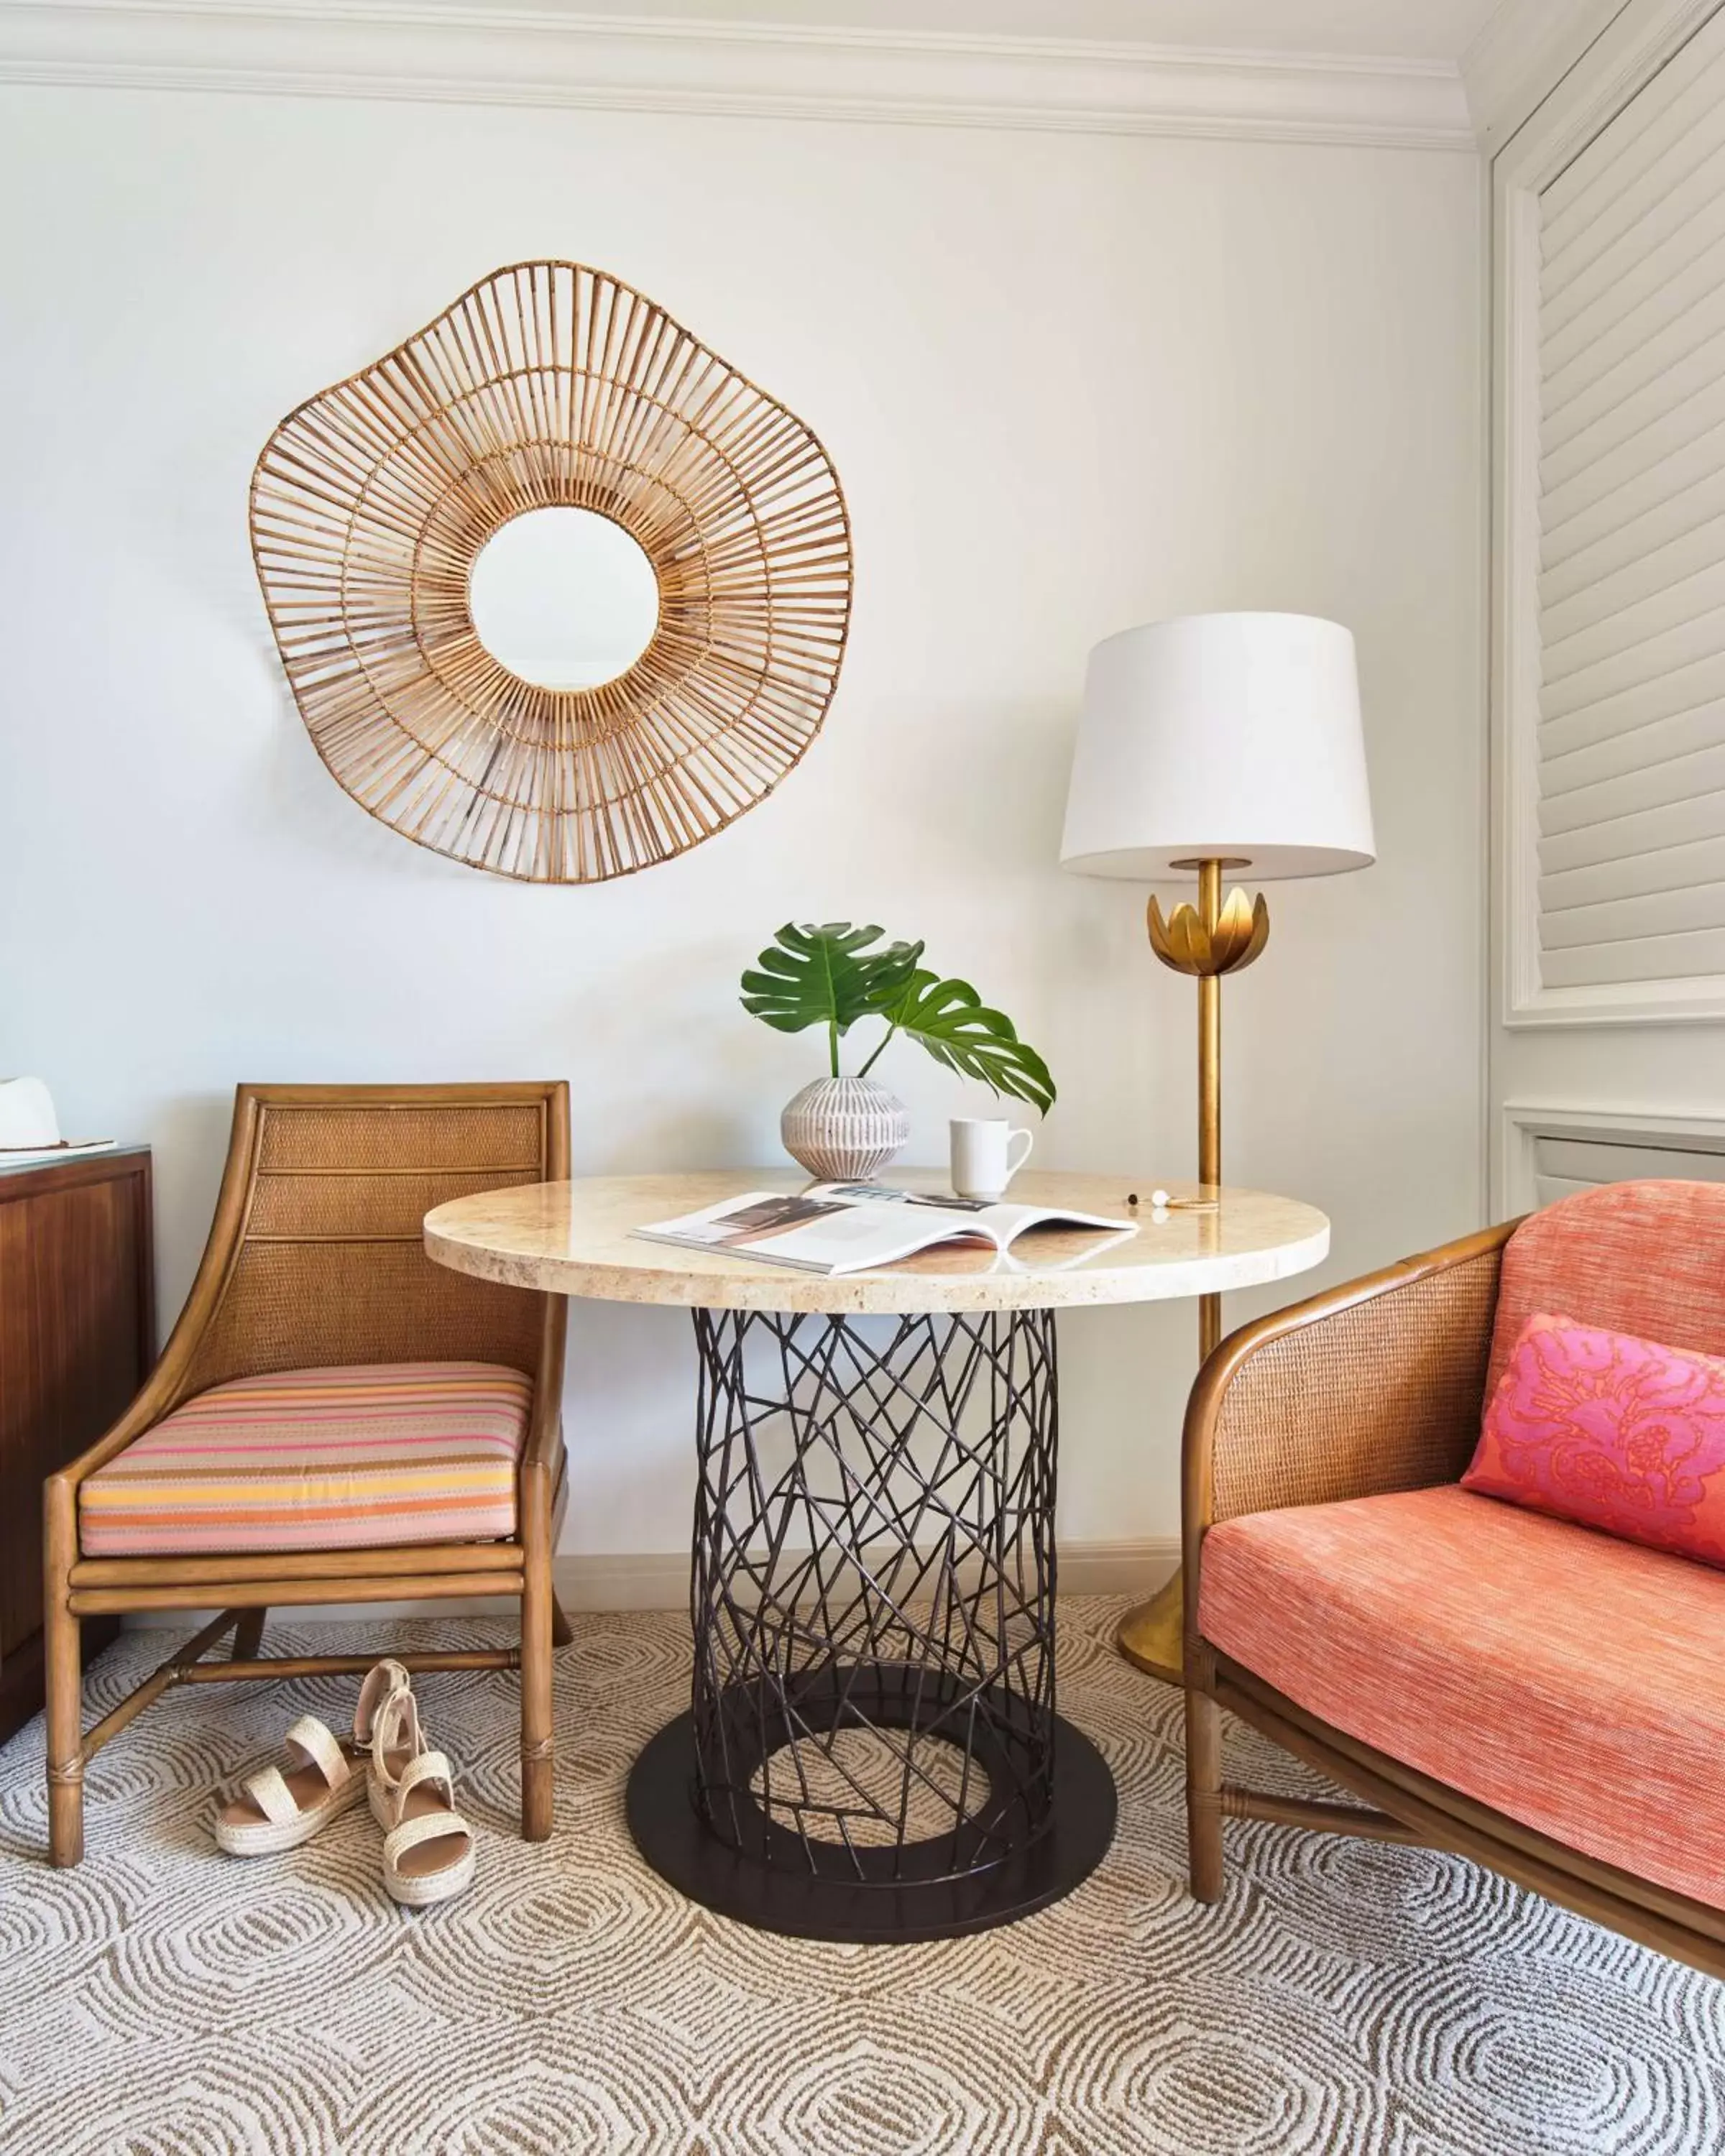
column 563, row 598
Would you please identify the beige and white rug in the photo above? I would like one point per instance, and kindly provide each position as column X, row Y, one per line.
column 1347, row 1999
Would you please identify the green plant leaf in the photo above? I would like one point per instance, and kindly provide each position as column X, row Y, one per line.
column 957, row 1028
column 826, row 976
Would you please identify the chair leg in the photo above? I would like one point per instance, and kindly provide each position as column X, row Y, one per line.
column 1203, row 1794
column 538, row 1762
column 562, row 1632
column 247, row 1636
column 64, row 1657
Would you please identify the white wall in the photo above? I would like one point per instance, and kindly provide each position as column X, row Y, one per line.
column 1069, row 383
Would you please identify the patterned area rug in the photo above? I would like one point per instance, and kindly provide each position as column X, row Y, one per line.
column 1346, row 1998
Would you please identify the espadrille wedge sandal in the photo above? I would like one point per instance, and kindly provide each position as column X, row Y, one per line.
column 383, row 1681
column 428, row 1852
column 279, row 1809
column 397, row 1740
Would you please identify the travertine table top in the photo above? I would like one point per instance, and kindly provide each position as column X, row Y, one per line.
column 574, row 1239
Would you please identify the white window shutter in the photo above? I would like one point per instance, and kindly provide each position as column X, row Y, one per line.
column 1563, row 1164
column 1631, row 336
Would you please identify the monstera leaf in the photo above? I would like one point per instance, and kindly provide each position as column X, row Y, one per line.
column 827, row 976
column 833, row 976
column 957, row 1028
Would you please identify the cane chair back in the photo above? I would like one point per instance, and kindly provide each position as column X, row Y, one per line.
column 317, row 1257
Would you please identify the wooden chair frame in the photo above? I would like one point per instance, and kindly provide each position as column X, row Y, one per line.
column 246, row 1587
column 1306, row 1407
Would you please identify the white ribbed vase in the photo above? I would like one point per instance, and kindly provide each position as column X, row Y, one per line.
column 844, row 1130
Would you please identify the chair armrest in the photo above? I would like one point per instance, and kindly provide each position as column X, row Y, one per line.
column 1374, row 1386
column 162, row 1393
column 167, row 1384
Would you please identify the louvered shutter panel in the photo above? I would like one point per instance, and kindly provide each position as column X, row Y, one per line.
column 1564, row 1164
column 1631, row 330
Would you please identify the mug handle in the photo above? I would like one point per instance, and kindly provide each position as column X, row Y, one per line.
column 1014, row 1166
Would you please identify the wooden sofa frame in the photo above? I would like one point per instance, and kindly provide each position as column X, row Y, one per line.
column 333, row 1272
column 1371, row 1386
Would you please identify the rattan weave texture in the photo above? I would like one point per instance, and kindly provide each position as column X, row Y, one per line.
column 1384, row 1395
column 330, row 1268
column 370, row 1205
column 552, row 385
column 388, row 1140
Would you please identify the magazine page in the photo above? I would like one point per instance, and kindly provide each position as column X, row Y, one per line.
column 892, row 1194
column 737, row 1222
column 1007, row 1222
column 1061, row 1245
column 855, row 1227
column 998, row 1218
column 819, row 1231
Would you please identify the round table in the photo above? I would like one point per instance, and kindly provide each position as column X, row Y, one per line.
column 872, row 1750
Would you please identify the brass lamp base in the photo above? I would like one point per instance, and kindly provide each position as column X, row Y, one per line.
column 1152, row 1636
column 1205, row 942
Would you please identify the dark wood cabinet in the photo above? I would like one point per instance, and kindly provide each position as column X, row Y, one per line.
column 77, row 1337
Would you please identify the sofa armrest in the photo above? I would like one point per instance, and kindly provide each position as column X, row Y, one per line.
column 1374, row 1386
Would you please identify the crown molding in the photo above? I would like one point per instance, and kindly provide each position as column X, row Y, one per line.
column 1615, row 46
column 478, row 54
column 1522, row 51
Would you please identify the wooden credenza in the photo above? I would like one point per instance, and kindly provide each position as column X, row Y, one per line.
column 77, row 1337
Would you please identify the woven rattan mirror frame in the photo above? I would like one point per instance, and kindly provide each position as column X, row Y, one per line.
column 549, row 384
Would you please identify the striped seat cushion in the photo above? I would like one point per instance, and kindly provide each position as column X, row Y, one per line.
column 1556, row 1674
column 368, row 1456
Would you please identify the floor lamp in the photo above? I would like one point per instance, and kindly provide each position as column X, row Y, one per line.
column 1208, row 744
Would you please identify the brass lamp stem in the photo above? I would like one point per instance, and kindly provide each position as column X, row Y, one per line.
column 1209, row 1081
column 1213, row 940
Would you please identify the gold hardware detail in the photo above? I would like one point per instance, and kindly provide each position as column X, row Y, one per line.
column 1241, row 930
column 1152, row 1636
column 1207, row 941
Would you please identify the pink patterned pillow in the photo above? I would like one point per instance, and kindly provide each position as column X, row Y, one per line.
column 1613, row 1432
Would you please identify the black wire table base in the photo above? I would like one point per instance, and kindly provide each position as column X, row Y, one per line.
column 872, row 1751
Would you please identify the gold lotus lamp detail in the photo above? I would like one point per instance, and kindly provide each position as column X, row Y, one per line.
column 1240, row 931
column 1215, row 742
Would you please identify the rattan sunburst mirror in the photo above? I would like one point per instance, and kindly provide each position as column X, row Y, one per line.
column 550, row 386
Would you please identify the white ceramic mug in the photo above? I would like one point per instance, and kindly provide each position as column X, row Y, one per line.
column 982, row 1164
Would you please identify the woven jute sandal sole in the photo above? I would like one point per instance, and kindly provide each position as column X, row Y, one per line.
column 436, row 1886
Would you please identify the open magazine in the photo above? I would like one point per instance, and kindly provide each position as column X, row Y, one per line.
column 854, row 1227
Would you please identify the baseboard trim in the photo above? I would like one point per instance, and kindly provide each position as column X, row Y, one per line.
column 655, row 1580
column 658, row 1579
column 458, row 52
column 661, row 1581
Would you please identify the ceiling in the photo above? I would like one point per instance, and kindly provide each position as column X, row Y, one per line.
column 1405, row 29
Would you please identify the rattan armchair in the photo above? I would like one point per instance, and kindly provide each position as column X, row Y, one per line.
column 1372, row 1388
column 316, row 1259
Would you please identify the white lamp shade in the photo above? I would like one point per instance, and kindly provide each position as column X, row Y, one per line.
column 1232, row 736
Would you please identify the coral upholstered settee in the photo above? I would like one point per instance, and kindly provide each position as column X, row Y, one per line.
column 1522, row 1689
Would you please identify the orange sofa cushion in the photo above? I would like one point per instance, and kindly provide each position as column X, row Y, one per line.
column 1562, row 1677
column 1643, row 1258
column 1613, row 1432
